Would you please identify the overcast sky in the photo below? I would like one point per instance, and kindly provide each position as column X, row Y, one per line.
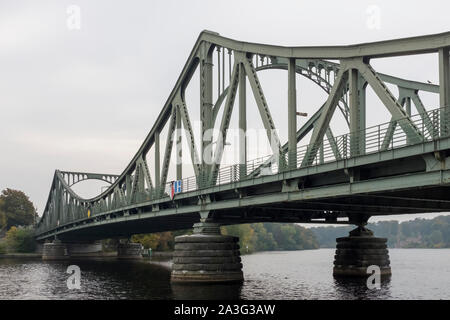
column 83, row 99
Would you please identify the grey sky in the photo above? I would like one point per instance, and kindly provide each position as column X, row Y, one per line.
column 84, row 100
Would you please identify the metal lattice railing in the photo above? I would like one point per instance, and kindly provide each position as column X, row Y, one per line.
column 376, row 139
column 386, row 136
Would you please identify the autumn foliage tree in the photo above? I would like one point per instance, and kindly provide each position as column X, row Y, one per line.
column 16, row 209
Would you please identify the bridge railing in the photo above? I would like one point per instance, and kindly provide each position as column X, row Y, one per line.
column 377, row 138
column 386, row 136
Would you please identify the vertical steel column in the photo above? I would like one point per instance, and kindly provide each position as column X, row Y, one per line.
column 408, row 112
column 292, row 115
column 179, row 149
column 408, row 106
column 157, row 162
column 362, row 113
column 355, row 133
column 444, row 89
column 128, row 187
column 242, row 122
column 206, row 112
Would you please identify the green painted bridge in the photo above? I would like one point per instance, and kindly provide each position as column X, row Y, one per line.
column 399, row 167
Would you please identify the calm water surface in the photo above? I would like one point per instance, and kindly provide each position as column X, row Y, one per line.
column 417, row 274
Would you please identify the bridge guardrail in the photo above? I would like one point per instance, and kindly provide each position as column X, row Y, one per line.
column 376, row 138
column 382, row 137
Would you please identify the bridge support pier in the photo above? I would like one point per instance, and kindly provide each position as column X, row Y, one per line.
column 358, row 251
column 55, row 250
column 129, row 250
column 206, row 257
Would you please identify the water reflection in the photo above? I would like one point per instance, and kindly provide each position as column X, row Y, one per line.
column 269, row 276
column 206, row 292
column 356, row 288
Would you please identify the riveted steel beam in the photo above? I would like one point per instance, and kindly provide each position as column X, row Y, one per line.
column 206, row 105
column 225, row 124
column 325, row 117
column 391, row 103
column 169, row 145
column 263, row 108
column 196, row 163
column 179, row 149
column 292, row 114
column 157, row 161
column 444, row 92
column 242, row 122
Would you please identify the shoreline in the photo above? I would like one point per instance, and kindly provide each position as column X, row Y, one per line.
column 162, row 254
column 20, row 255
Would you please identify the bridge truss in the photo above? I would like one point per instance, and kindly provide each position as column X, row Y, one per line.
column 394, row 168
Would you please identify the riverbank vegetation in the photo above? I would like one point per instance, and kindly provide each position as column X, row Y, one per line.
column 17, row 215
column 252, row 237
column 418, row 233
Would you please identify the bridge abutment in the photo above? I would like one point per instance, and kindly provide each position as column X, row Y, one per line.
column 85, row 250
column 207, row 256
column 129, row 251
column 358, row 251
column 55, row 250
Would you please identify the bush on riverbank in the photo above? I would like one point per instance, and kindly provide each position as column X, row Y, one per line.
column 2, row 247
column 20, row 240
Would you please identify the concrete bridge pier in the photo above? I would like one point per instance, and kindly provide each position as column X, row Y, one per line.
column 54, row 250
column 358, row 251
column 207, row 256
column 129, row 251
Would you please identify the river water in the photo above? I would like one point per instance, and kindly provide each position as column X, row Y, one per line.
column 417, row 274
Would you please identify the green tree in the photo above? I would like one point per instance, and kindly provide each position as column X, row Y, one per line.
column 147, row 240
column 264, row 239
column 163, row 241
column 3, row 219
column 20, row 240
column 246, row 234
column 17, row 208
column 2, row 248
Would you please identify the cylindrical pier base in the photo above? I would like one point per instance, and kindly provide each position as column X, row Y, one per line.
column 129, row 251
column 54, row 251
column 358, row 251
column 206, row 257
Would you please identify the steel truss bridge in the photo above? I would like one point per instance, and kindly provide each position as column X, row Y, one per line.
column 399, row 167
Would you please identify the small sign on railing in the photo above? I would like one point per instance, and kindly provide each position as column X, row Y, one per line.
column 176, row 187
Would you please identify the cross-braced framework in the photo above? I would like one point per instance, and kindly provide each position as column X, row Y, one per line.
column 319, row 180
